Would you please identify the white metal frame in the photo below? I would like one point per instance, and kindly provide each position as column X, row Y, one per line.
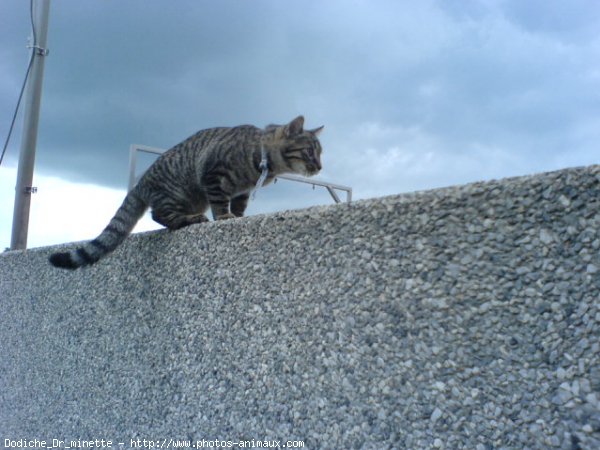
column 331, row 187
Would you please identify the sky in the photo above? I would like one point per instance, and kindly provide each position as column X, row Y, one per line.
column 413, row 95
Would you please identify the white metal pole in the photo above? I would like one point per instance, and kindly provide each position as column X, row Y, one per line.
column 33, row 96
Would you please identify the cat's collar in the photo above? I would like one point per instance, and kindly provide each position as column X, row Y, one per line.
column 264, row 167
column 264, row 162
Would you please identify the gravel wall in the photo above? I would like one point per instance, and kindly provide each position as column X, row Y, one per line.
column 458, row 318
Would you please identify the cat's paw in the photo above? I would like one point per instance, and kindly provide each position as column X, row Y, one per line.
column 198, row 218
column 226, row 216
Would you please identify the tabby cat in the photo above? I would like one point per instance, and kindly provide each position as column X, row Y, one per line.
column 216, row 167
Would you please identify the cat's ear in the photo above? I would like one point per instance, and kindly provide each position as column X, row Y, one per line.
column 317, row 131
column 295, row 126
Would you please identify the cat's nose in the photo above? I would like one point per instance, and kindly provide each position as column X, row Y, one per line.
column 317, row 163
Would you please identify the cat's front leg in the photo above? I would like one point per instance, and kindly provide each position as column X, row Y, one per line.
column 218, row 194
column 239, row 204
column 219, row 205
column 220, row 209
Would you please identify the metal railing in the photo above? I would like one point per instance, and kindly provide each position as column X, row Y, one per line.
column 331, row 187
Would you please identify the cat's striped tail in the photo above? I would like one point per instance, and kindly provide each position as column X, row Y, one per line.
column 116, row 231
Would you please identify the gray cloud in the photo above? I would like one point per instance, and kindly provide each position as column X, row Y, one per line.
column 412, row 94
column 572, row 22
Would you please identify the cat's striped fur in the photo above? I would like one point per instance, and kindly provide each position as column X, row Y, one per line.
column 216, row 168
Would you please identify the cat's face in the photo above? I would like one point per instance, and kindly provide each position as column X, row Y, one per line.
column 302, row 150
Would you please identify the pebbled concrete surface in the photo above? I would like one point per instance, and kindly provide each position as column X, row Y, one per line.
column 465, row 317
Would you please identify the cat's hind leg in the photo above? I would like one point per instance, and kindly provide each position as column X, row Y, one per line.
column 174, row 220
column 175, row 215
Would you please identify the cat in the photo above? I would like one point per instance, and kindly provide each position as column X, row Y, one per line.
column 216, row 168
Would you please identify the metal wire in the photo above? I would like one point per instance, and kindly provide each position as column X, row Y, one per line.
column 33, row 50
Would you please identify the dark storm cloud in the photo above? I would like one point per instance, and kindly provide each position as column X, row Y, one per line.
column 412, row 94
column 139, row 72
